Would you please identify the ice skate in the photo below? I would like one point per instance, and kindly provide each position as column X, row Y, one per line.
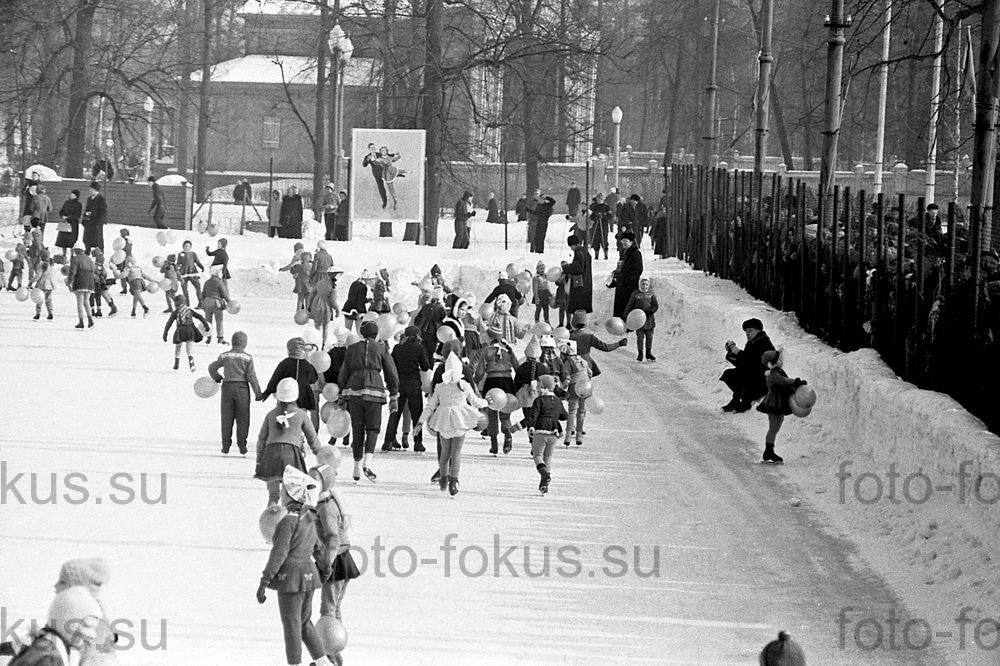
column 177, row 364
column 508, row 444
column 406, row 441
column 191, row 363
column 436, row 476
column 370, row 475
column 452, row 485
column 770, row 457
column 442, row 481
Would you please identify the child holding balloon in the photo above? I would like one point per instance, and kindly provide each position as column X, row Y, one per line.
column 323, row 301
column 643, row 300
column 577, row 380
column 541, row 293
column 17, row 262
column 169, row 271
column 45, row 285
column 494, row 368
column 135, row 278
column 215, row 297
column 542, row 420
column 776, row 403
column 186, row 332
column 101, row 282
column 123, row 244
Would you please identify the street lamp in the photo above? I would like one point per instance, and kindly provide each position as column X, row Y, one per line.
column 616, row 118
column 342, row 48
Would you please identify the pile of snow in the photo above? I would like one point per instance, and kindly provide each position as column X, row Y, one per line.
column 941, row 526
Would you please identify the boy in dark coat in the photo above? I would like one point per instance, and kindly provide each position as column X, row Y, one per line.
column 746, row 379
column 298, row 368
column 429, row 319
column 585, row 341
column 411, row 359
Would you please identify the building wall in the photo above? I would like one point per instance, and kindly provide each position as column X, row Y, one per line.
column 128, row 203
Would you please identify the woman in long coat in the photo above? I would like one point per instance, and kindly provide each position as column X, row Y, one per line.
column 463, row 211
column 274, row 214
column 628, row 273
column 291, row 214
column 580, row 278
column 70, row 213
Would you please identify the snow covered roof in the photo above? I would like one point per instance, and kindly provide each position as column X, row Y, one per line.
column 283, row 7
column 299, row 70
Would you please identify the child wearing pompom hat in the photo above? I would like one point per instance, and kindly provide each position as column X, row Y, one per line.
column 782, row 652
column 297, row 567
column 452, row 411
column 775, row 404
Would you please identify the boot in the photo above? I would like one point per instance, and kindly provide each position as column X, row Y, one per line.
column 418, row 443
column 742, row 406
column 191, row 363
column 114, row 310
column 731, row 405
column 49, row 317
column 452, row 485
column 98, row 313
column 177, row 363
column 80, row 325
column 389, row 444
column 493, row 444
column 357, row 471
column 770, row 456
column 443, row 481
column 508, row 443
column 436, row 476
column 90, row 323
column 370, row 475
column 38, row 315
column 406, row 440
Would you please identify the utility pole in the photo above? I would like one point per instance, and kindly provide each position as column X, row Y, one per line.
column 763, row 87
column 319, row 139
column 930, row 180
column 836, row 22
column 883, row 90
column 712, row 88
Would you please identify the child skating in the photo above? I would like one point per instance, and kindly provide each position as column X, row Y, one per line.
column 238, row 378
column 644, row 299
column 46, row 284
column 215, row 297
column 102, row 281
column 135, row 278
column 189, row 267
column 542, row 421
column 122, row 268
column 323, row 302
column 186, row 332
column 280, row 442
column 576, row 370
column 296, row 568
column 17, row 265
column 494, row 368
column 541, row 293
column 452, row 411
column 776, row 403
column 169, row 271
column 220, row 257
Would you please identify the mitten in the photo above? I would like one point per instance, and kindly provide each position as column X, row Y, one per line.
column 393, row 404
column 623, row 342
column 261, row 595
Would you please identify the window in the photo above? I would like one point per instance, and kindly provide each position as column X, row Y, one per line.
column 272, row 131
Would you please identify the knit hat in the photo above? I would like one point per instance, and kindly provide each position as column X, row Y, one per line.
column 753, row 322
column 579, row 319
column 534, row 349
column 369, row 329
column 299, row 486
column 76, row 615
column 452, row 369
column 573, row 241
column 239, row 339
column 90, row 572
column 769, row 357
column 435, row 270
column 540, row 266
column 501, row 275
column 288, row 390
column 635, row 197
column 782, row 652
column 411, row 331
column 294, row 345
column 547, row 382
column 494, row 330
column 568, row 347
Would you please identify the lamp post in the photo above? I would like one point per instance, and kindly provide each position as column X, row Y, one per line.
column 148, row 106
column 616, row 118
column 341, row 48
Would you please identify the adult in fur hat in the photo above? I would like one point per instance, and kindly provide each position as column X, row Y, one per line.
column 628, row 272
column 581, row 278
column 746, row 378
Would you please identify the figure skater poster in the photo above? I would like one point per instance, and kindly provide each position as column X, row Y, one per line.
column 387, row 175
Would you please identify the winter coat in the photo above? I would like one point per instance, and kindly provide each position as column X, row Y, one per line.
column 545, row 413
column 645, row 301
column 215, row 293
column 541, row 290
column 291, row 216
column 573, row 200
column 303, row 372
column 220, row 257
column 361, row 374
column 411, row 359
column 453, row 409
column 337, row 354
column 188, row 264
column 492, row 212
column 747, row 375
column 94, row 215
column 506, row 286
column 585, row 342
column 322, row 261
column 278, row 446
column 494, row 360
column 508, row 324
column 779, row 389
column 629, row 272
column 274, row 213
column 428, row 319
column 81, row 273
column 357, row 300
column 186, row 331
column 295, row 552
column 575, row 369
column 581, row 281
column 323, row 303
column 71, row 210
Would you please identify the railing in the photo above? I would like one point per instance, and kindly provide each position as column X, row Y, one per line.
column 886, row 276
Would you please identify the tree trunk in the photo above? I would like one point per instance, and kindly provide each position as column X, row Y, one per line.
column 985, row 142
column 182, row 139
column 79, row 88
column 204, row 112
column 49, row 87
column 672, row 112
column 433, row 96
column 807, row 125
column 779, row 125
column 319, row 140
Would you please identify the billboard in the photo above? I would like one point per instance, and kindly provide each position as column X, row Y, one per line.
column 387, row 175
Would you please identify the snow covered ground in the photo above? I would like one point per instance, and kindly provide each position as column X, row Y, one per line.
column 727, row 551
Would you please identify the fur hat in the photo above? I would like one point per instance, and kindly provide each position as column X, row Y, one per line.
column 627, row 235
column 753, row 322
column 579, row 319
column 75, row 614
column 459, row 302
column 90, row 572
column 782, row 652
column 547, row 382
column 411, row 331
column 534, row 349
column 288, row 390
column 369, row 329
